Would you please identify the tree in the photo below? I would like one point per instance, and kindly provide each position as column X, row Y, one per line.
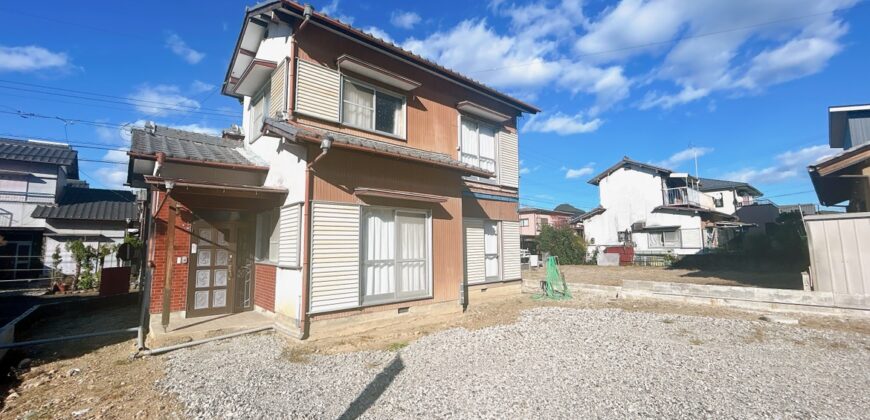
column 563, row 243
column 56, row 260
column 82, row 255
column 102, row 251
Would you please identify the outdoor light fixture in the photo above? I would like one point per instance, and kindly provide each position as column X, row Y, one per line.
column 169, row 184
column 326, row 143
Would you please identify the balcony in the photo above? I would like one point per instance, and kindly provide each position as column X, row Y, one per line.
column 27, row 197
column 681, row 196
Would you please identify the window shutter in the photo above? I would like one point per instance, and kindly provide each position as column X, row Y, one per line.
column 318, row 91
column 290, row 235
column 278, row 91
column 510, row 250
column 334, row 256
column 475, row 268
column 509, row 171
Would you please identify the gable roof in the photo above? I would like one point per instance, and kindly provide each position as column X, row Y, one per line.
column 523, row 210
column 39, row 152
column 627, row 161
column 293, row 131
column 567, row 208
column 79, row 203
column 710, row 184
column 320, row 19
column 191, row 147
column 591, row 213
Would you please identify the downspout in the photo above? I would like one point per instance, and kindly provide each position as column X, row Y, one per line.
column 144, row 273
column 306, row 259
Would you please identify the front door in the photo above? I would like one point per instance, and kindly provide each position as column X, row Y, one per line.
column 211, row 282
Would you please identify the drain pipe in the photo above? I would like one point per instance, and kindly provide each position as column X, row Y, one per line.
column 161, row 350
column 325, row 145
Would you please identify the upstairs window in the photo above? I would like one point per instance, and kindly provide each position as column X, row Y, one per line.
column 369, row 108
column 258, row 110
column 524, row 222
column 477, row 144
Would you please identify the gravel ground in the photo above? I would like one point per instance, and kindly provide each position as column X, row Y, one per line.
column 552, row 363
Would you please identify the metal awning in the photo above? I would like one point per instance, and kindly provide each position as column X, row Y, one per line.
column 401, row 195
column 200, row 194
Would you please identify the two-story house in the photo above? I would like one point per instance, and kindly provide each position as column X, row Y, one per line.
column 728, row 196
column 532, row 221
column 364, row 179
column 44, row 205
column 845, row 176
column 656, row 211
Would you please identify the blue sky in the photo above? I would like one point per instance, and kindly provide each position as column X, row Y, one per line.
column 744, row 83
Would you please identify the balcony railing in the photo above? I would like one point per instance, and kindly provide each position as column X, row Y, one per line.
column 681, row 196
column 24, row 196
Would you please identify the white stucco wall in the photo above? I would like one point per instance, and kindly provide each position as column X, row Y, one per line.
column 91, row 233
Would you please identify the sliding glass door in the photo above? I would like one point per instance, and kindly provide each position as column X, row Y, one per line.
column 395, row 251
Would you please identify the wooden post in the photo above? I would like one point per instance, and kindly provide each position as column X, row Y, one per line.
column 170, row 260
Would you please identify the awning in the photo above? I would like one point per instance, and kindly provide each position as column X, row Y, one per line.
column 298, row 132
column 254, row 77
column 401, row 195
column 201, row 194
column 482, row 112
column 355, row 65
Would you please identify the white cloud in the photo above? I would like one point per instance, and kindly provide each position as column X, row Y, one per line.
column 609, row 85
column 682, row 156
column 562, row 124
column 579, row 172
column 474, row 48
column 787, row 165
column 200, row 87
column 404, row 20
column 181, row 49
column 112, row 177
column 162, row 100
column 378, row 33
column 115, row 156
column 197, row 128
column 712, row 46
column 31, row 58
column 525, row 170
column 331, row 9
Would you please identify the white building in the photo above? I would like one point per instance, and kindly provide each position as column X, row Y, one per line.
column 656, row 210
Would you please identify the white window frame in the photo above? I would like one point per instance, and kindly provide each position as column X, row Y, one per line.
column 524, row 222
column 665, row 244
column 397, row 295
column 498, row 251
column 401, row 136
column 495, row 130
column 262, row 97
column 272, row 254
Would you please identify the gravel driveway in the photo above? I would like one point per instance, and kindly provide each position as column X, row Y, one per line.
column 552, row 363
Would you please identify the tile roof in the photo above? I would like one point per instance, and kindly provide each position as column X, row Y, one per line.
column 38, row 152
column 291, row 130
column 390, row 47
column 710, row 184
column 626, row 161
column 187, row 145
column 79, row 203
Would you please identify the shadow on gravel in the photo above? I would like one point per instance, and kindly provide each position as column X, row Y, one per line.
column 374, row 389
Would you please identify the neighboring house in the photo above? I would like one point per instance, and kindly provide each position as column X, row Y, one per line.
column 533, row 219
column 845, row 176
column 93, row 216
column 728, row 196
column 656, row 210
column 43, row 204
column 366, row 179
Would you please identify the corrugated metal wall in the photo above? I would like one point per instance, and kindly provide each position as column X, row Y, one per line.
column 475, row 267
column 509, row 170
column 288, row 253
column 278, row 90
column 840, row 256
column 510, row 250
column 318, row 91
column 334, row 256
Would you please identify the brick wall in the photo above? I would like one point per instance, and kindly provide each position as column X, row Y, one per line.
column 264, row 286
column 178, row 300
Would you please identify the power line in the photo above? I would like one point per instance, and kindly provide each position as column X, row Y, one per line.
column 670, row 41
column 34, row 85
column 127, row 102
column 103, row 161
column 73, row 143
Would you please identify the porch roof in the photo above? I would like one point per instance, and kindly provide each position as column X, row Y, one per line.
column 294, row 132
column 79, row 203
column 704, row 213
column 191, row 147
column 215, row 195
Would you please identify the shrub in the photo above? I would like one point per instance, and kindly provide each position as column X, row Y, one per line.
column 563, row 243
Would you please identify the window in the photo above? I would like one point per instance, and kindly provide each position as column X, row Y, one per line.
column 665, row 239
column 623, row 237
column 268, row 235
column 258, row 110
column 719, row 201
column 477, row 144
column 369, row 108
column 395, row 246
column 524, row 222
column 490, row 249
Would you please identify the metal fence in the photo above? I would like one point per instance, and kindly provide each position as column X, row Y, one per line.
column 840, row 256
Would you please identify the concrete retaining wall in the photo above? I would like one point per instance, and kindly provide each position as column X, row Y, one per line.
column 752, row 298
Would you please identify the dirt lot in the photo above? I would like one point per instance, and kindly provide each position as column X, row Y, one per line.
column 100, row 380
column 613, row 276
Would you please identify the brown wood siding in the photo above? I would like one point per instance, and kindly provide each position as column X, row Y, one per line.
column 489, row 209
column 338, row 174
column 432, row 116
